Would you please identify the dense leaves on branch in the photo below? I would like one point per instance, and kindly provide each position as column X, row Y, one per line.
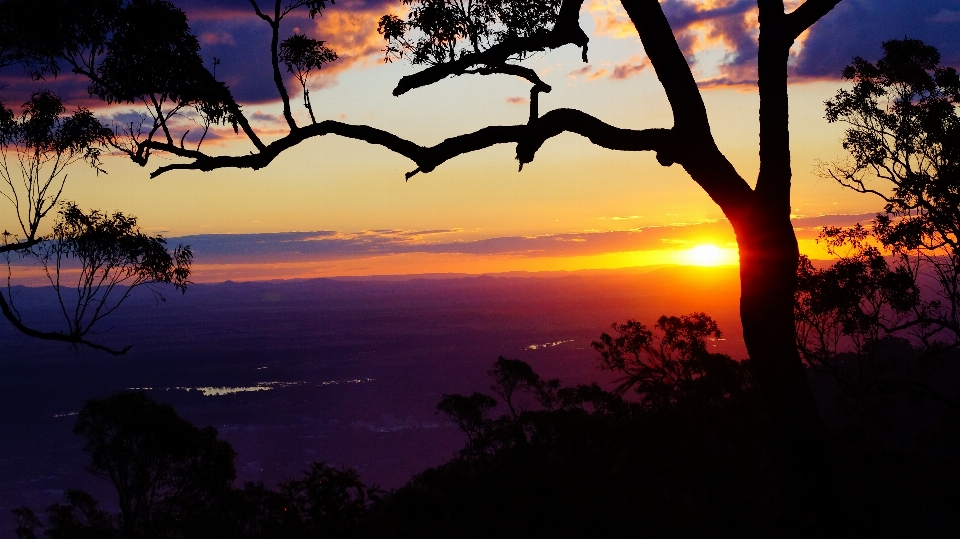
column 442, row 31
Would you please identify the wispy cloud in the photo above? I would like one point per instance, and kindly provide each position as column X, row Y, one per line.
column 333, row 245
column 631, row 67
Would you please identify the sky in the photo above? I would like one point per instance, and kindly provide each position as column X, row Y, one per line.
column 334, row 206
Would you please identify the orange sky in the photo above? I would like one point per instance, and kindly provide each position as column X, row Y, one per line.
column 572, row 187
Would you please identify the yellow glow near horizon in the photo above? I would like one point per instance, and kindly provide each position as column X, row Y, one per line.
column 708, row 254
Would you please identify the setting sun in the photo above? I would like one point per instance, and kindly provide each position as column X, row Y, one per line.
column 709, row 255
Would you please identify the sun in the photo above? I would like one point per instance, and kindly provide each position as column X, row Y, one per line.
column 708, row 255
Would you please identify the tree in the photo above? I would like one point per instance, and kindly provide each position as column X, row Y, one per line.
column 36, row 148
column 674, row 367
column 165, row 470
column 904, row 145
column 877, row 319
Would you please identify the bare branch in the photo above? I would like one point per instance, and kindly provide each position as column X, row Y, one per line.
column 806, row 15
column 512, row 69
column 529, row 138
column 52, row 335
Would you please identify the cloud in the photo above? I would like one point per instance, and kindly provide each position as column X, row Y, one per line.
column 854, row 27
column 858, row 27
column 946, row 15
column 331, row 245
column 582, row 71
column 217, row 38
column 631, row 67
column 517, row 100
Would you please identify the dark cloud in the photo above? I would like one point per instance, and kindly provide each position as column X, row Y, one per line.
column 16, row 85
column 858, row 27
column 331, row 245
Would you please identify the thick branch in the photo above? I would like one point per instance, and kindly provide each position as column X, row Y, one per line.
column 529, row 138
column 689, row 112
column 566, row 31
column 695, row 148
column 773, row 182
column 512, row 69
column 806, row 15
column 19, row 246
column 51, row 335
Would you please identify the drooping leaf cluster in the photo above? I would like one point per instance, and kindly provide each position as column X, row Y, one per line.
column 442, row 31
column 104, row 243
column 302, row 55
column 94, row 262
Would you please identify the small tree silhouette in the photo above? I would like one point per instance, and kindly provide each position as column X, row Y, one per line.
column 36, row 148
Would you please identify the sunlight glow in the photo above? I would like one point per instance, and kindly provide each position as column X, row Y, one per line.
column 709, row 255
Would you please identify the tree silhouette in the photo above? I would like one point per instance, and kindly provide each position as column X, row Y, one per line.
column 494, row 38
column 37, row 147
column 877, row 319
column 904, row 144
column 163, row 468
column 173, row 481
column 674, row 366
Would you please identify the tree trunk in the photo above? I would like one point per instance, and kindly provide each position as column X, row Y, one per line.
column 768, row 275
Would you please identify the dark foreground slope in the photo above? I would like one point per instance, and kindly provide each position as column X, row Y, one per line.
column 342, row 371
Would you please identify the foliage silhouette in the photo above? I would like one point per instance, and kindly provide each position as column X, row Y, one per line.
column 880, row 318
column 301, row 55
column 662, row 369
column 36, row 148
column 694, row 463
column 174, row 481
column 162, row 467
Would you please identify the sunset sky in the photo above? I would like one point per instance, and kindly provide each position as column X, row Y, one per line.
column 335, row 206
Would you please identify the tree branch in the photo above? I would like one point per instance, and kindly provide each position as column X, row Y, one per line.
column 529, row 138
column 806, row 15
column 512, row 69
column 53, row 336
column 566, row 31
column 695, row 148
column 668, row 61
column 25, row 244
